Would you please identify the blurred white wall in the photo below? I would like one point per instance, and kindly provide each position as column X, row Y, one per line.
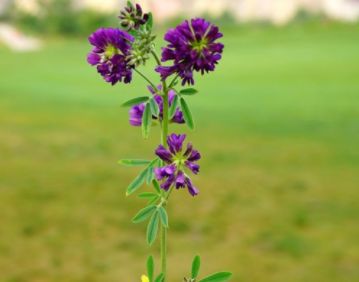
column 276, row 11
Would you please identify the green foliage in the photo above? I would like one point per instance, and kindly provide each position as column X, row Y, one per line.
column 146, row 121
column 188, row 91
column 135, row 101
column 152, row 228
column 150, row 268
column 173, row 108
column 187, row 115
column 133, row 162
column 217, row 277
column 163, row 215
column 143, row 214
column 196, row 264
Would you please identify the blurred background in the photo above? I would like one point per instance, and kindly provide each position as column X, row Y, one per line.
column 277, row 123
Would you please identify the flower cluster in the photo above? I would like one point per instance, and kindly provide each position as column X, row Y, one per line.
column 136, row 112
column 177, row 161
column 192, row 47
column 109, row 54
column 132, row 17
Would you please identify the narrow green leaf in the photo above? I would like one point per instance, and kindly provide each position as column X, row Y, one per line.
column 217, row 277
column 135, row 101
column 152, row 228
column 188, row 91
column 186, row 114
column 154, row 200
column 137, row 182
column 150, row 268
column 163, row 216
column 150, row 175
column 149, row 23
column 173, row 107
column 154, row 107
column 160, row 278
column 156, row 185
column 146, row 121
column 147, row 195
column 144, row 214
column 133, row 162
column 196, row 264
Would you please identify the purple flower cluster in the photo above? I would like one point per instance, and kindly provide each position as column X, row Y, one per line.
column 109, row 54
column 177, row 160
column 192, row 47
column 136, row 112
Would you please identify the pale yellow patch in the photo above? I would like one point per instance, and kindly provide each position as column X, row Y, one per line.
column 144, row 278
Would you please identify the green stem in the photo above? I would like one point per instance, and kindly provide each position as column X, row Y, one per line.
column 164, row 133
column 147, row 79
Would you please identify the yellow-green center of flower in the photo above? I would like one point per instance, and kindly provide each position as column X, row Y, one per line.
column 110, row 51
column 199, row 45
column 179, row 160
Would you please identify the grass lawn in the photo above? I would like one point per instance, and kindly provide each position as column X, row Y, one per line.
column 278, row 129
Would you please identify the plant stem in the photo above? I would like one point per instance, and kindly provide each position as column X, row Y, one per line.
column 164, row 133
column 147, row 79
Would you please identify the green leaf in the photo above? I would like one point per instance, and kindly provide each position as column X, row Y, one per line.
column 188, row 91
column 173, row 107
column 217, row 277
column 154, row 107
column 152, row 228
column 160, row 278
column 150, row 268
column 196, row 264
column 133, row 162
column 146, row 121
column 150, row 175
column 149, row 23
column 137, row 182
column 147, row 195
column 186, row 114
column 143, row 214
column 135, row 101
column 156, row 185
column 163, row 216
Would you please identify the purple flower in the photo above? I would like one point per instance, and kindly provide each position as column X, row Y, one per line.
column 192, row 47
column 109, row 55
column 136, row 112
column 177, row 161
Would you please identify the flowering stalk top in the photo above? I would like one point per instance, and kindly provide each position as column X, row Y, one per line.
column 191, row 47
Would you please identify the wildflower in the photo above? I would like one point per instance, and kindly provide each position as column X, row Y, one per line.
column 109, row 54
column 132, row 17
column 192, row 47
column 136, row 112
column 177, row 161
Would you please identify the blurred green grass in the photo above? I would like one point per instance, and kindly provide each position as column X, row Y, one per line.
column 278, row 127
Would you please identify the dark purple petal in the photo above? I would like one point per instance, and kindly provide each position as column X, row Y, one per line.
column 191, row 189
column 192, row 166
column 163, row 154
column 168, row 183
column 180, row 180
column 136, row 113
column 194, row 156
column 175, row 142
